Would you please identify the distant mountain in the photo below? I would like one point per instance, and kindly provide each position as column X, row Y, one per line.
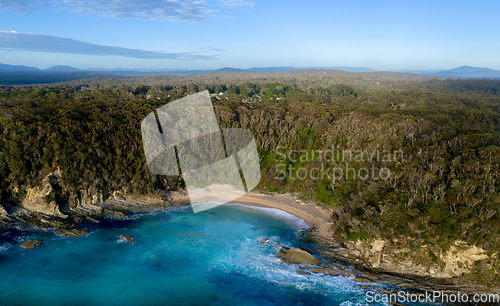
column 349, row 69
column 460, row 72
column 225, row 69
column 275, row 69
column 146, row 72
column 271, row 69
column 46, row 77
column 15, row 68
column 470, row 72
column 228, row 69
column 12, row 74
column 426, row 72
column 62, row 68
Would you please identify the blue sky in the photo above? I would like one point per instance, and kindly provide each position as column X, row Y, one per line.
column 205, row 34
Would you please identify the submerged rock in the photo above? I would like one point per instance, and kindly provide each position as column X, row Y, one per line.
column 328, row 270
column 71, row 232
column 302, row 272
column 129, row 239
column 396, row 304
column 31, row 244
column 297, row 256
column 115, row 214
column 265, row 240
column 364, row 278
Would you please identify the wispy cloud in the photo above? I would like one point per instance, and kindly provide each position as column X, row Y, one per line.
column 213, row 49
column 236, row 3
column 46, row 43
column 184, row 10
column 22, row 5
column 137, row 9
column 191, row 10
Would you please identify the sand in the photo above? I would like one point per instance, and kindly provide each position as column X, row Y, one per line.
column 316, row 217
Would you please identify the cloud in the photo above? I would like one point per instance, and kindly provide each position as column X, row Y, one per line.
column 22, row 5
column 45, row 43
column 137, row 9
column 184, row 10
column 236, row 3
column 191, row 10
column 213, row 49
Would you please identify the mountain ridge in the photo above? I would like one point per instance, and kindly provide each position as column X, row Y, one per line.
column 62, row 68
column 458, row 72
column 16, row 68
column 65, row 68
column 469, row 72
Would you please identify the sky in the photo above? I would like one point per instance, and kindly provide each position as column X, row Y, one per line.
column 206, row 34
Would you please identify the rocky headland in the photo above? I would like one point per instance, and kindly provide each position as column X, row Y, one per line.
column 374, row 259
column 41, row 207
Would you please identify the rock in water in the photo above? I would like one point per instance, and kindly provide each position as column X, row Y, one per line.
column 297, row 256
column 302, row 272
column 265, row 240
column 129, row 239
column 31, row 244
column 71, row 232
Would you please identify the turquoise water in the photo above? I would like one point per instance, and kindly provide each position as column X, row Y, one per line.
column 178, row 258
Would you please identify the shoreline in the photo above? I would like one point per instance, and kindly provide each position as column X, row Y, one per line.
column 315, row 217
column 318, row 219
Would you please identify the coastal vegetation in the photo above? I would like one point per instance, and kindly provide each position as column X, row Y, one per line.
column 442, row 138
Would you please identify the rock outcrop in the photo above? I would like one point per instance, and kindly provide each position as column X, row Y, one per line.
column 71, row 232
column 53, row 205
column 448, row 269
column 297, row 256
column 31, row 244
column 129, row 239
column 42, row 199
column 377, row 254
column 2, row 211
column 460, row 258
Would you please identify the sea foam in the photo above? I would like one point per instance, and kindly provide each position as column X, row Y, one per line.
column 4, row 247
column 277, row 213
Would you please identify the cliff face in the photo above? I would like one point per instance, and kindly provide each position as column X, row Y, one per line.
column 53, row 205
column 452, row 269
column 42, row 199
column 461, row 258
column 379, row 254
column 51, row 198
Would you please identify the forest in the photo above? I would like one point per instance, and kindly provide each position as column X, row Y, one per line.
column 443, row 138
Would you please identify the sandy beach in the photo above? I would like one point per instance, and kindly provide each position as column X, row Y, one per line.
column 314, row 216
column 318, row 218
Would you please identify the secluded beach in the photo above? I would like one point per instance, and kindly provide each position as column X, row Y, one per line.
column 315, row 216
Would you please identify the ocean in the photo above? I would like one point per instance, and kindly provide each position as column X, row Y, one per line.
column 178, row 258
